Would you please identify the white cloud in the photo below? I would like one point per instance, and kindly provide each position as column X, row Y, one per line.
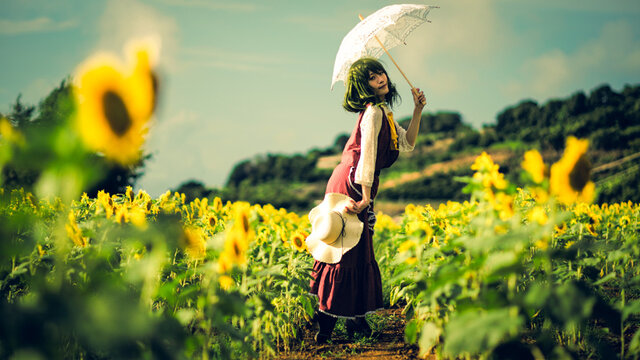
column 614, row 52
column 124, row 20
column 41, row 24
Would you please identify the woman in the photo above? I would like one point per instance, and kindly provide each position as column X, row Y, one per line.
column 352, row 287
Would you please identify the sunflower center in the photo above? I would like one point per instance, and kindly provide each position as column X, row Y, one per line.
column 116, row 113
column 245, row 223
column 579, row 175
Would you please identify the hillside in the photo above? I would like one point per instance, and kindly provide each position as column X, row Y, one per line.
column 446, row 147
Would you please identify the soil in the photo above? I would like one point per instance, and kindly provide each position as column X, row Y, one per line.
column 387, row 341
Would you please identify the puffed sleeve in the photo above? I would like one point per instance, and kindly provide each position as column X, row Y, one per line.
column 403, row 144
column 369, row 130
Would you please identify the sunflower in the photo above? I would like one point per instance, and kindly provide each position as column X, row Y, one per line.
column 224, row 264
column 534, row 165
column 138, row 217
column 225, row 282
column 129, row 193
column 217, row 204
column 211, row 220
column 298, row 241
column 114, row 106
column 538, row 215
column 73, row 231
column 237, row 241
column 407, row 245
column 8, row 132
column 195, row 242
column 483, row 163
column 624, row 221
column 569, row 180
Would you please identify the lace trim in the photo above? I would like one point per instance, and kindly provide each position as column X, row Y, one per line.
column 346, row 317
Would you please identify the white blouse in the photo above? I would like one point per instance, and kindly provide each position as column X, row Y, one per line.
column 369, row 130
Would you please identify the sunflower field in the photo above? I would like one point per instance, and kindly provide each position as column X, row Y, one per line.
column 527, row 271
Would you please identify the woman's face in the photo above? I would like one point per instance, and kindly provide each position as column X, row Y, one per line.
column 378, row 83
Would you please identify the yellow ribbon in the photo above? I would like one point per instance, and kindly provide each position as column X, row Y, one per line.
column 394, row 134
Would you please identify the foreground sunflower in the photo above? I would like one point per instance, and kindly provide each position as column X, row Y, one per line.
column 115, row 104
column 569, row 180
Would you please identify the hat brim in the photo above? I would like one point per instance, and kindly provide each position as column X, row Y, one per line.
column 332, row 253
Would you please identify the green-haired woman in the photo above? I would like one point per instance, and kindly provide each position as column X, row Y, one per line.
column 352, row 287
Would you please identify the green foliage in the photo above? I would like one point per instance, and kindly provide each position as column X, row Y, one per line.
column 608, row 119
column 480, row 284
column 125, row 288
column 438, row 186
column 277, row 168
column 446, row 123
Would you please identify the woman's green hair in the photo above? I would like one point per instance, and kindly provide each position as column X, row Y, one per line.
column 359, row 93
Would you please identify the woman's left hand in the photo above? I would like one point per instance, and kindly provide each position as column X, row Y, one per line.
column 357, row 207
column 419, row 99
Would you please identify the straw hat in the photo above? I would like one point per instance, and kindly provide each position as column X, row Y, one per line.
column 334, row 231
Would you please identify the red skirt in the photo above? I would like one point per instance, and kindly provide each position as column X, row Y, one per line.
column 352, row 287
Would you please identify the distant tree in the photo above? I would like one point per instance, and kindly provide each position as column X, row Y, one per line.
column 21, row 114
column 194, row 189
column 340, row 142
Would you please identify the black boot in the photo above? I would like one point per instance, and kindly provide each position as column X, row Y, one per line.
column 358, row 325
column 326, row 324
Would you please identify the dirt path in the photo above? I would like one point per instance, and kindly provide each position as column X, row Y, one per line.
column 387, row 341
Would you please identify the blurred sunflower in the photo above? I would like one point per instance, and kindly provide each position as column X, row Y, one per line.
column 225, row 282
column 235, row 246
column 195, row 242
column 483, row 163
column 534, row 165
column 217, row 204
column 8, row 132
column 624, row 221
column 569, row 180
column 224, row 264
column 114, row 105
column 538, row 215
column 138, row 217
column 74, row 232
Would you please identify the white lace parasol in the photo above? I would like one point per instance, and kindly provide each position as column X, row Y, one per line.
column 382, row 30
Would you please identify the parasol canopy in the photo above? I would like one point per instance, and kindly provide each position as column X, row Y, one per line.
column 382, row 30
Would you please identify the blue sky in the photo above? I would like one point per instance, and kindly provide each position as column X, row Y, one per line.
column 245, row 78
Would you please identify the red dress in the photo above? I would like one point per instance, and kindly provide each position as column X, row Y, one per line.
column 353, row 286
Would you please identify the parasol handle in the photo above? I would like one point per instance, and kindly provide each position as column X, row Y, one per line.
column 413, row 89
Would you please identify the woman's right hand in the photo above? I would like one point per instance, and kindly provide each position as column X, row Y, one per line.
column 419, row 100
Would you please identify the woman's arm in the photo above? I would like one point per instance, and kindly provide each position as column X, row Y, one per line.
column 366, row 200
column 364, row 173
column 414, row 125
